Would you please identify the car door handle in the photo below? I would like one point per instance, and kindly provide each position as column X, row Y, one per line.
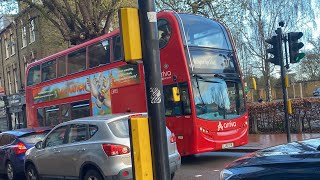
column 56, row 151
column 81, row 150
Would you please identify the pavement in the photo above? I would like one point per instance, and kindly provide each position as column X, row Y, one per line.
column 261, row 141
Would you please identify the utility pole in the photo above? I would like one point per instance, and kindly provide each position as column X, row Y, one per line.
column 284, row 88
column 277, row 59
column 154, row 89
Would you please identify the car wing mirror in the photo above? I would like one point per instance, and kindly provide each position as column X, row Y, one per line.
column 39, row 145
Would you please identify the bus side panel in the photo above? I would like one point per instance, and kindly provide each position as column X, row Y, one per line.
column 173, row 70
column 30, row 111
column 182, row 126
column 128, row 99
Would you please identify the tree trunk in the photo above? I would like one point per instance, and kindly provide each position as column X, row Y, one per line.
column 268, row 82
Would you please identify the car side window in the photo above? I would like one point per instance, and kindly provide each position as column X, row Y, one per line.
column 77, row 133
column 56, row 137
column 92, row 130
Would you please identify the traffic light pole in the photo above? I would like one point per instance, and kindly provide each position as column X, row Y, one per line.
column 284, row 89
column 154, row 90
column 285, row 39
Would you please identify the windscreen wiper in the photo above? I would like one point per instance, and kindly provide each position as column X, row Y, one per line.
column 222, row 76
column 197, row 76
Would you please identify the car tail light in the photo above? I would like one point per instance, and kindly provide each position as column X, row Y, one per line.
column 173, row 138
column 125, row 173
column 20, row 148
column 114, row 149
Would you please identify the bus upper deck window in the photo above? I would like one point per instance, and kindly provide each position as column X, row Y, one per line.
column 33, row 75
column 99, row 54
column 117, row 48
column 164, row 32
column 48, row 70
column 62, row 66
column 77, row 61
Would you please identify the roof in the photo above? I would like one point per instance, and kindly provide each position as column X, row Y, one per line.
column 110, row 117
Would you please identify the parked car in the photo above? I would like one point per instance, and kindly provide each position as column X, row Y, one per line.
column 316, row 92
column 13, row 145
column 95, row 147
column 294, row 161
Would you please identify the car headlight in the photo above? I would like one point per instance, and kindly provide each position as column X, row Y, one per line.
column 225, row 174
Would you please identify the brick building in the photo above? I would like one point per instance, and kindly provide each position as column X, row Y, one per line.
column 28, row 38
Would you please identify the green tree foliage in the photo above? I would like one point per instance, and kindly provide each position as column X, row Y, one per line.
column 81, row 20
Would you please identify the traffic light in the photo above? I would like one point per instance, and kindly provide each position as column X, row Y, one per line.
column 295, row 46
column 275, row 42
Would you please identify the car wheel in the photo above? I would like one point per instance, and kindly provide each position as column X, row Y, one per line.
column 31, row 173
column 10, row 171
column 92, row 175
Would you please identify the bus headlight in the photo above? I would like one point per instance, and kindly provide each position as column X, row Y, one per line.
column 225, row 174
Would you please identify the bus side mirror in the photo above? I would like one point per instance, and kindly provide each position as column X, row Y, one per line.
column 176, row 94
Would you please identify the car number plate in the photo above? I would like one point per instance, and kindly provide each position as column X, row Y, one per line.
column 227, row 145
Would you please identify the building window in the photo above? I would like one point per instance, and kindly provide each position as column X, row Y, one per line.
column 25, row 63
column 9, row 82
column 6, row 44
column 32, row 32
column 24, row 35
column 12, row 44
column 15, row 80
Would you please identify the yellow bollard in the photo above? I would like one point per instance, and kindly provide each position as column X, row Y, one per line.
column 141, row 148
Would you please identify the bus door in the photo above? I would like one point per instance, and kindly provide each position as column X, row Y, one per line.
column 178, row 115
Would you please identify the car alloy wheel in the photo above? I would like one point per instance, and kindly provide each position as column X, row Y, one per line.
column 10, row 171
column 32, row 173
column 93, row 175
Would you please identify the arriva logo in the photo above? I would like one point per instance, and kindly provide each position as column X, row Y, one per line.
column 166, row 74
column 226, row 125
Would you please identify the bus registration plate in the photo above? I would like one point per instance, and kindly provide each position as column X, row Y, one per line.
column 227, row 145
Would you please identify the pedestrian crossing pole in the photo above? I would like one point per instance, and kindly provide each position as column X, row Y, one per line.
column 284, row 86
column 154, row 89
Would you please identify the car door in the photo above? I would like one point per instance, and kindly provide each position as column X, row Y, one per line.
column 48, row 160
column 1, row 154
column 75, row 148
column 5, row 141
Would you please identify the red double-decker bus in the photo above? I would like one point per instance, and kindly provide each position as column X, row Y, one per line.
column 197, row 57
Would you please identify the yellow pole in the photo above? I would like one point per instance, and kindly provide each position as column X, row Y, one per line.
column 141, row 148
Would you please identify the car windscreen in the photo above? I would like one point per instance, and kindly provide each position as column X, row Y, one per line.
column 120, row 128
column 33, row 138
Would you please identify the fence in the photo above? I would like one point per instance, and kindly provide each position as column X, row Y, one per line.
column 269, row 117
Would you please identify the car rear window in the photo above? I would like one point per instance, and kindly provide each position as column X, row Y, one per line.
column 33, row 138
column 120, row 128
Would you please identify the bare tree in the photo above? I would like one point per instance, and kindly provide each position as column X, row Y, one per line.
column 8, row 8
column 80, row 20
column 251, row 23
column 309, row 68
column 260, row 19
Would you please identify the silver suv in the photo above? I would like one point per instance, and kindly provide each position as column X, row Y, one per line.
column 89, row 148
